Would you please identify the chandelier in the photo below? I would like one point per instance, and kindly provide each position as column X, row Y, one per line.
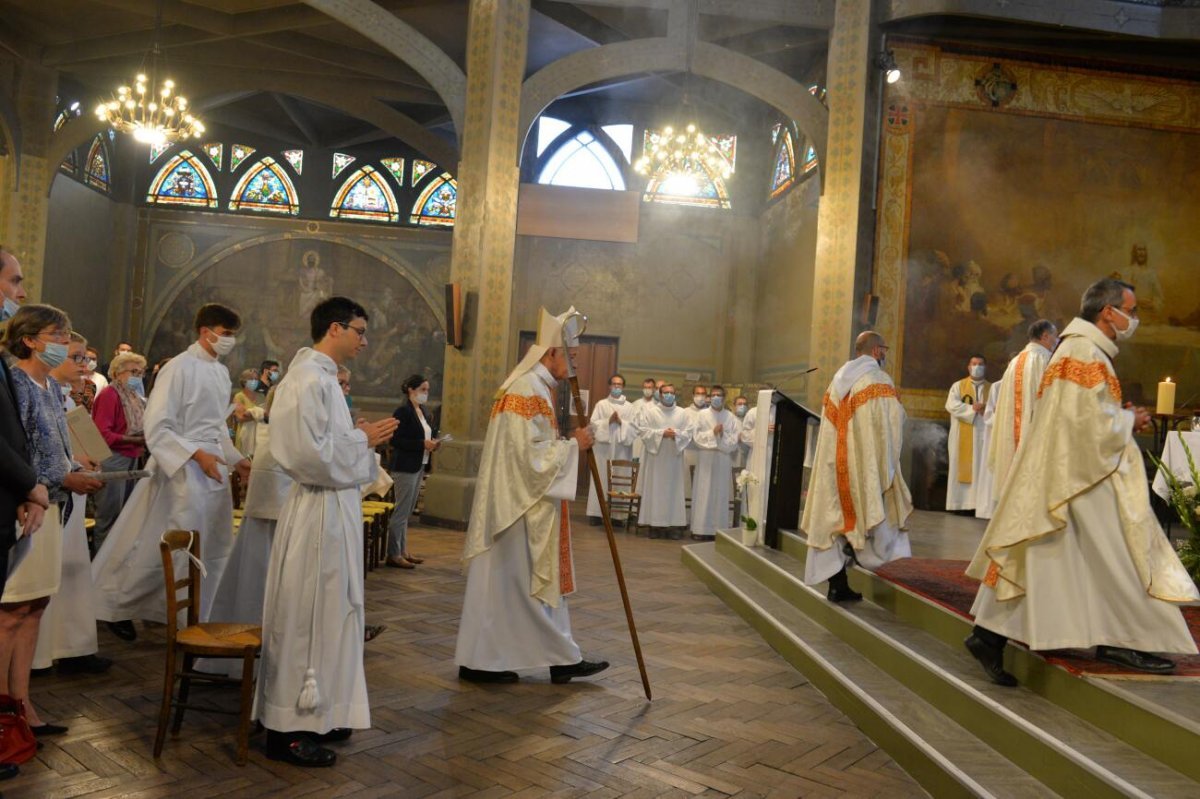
column 681, row 152
column 151, row 115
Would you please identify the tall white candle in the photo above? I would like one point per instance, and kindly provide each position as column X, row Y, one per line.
column 1166, row 398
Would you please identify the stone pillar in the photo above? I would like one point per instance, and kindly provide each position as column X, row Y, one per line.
column 485, row 233
column 845, row 218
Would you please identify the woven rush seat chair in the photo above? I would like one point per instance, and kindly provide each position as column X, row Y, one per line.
column 622, row 491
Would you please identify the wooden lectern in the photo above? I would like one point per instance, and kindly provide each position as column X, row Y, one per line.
column 795, row 430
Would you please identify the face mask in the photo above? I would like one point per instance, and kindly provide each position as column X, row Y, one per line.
column 616, row 391
column 647, row 393
column 718, row 403
column 977, row 372
column 1127, row 333
column 10, row 309
column 700, row 401
column 224, row 345
column 740, row 410
column 668, row 400
column 135, row 385
column 657, row 395
column 252, row 385
column 272, row 377
column 91, row 364
column 422, row 398
column 54, row 354
column 880, row 360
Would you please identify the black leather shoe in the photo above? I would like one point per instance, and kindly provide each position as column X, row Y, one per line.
column 123, row 630
column 333, row 736
column 87, row 664
column 44, row 730
column 479, row 675
column 840, row 590
column 1133, row 659
column 991, row 657
column 9, row 770
column 584, row 668
column 298, row 749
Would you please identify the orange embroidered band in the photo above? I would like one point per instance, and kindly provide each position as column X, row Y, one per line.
column 840, row 416
column 1019, row 388
column 525, row 407
column 1087, row 374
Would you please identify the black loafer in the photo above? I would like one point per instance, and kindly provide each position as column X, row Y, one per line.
column 992, row 660
column 44, row 730
column 584, row 668
column 479, row 675
column 298, row 749
column 9, row 770
column 123, row 630
column 334, row 735
column 87, row 664
column 840, row 590
column 1133, row 659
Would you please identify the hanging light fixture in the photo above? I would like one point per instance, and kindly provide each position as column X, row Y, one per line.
column 151, row 114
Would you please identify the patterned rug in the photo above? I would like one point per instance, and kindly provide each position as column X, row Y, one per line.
column 944, row 583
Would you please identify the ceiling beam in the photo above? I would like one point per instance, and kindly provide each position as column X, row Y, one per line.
column 217, row 100
column 229, row 118
column 294, row 113
column 377, row 66
column 177, row 13
column 809, row 14
column 361, row 138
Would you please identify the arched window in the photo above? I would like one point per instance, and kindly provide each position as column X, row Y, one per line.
column 437, row 203
column 698, row 181
column 158, row 149
column 183, row 180
column 340, row 162
column 296, row 159
column 396, row 167
column 810, row 159
column 265, row 187
column 549, row 129
column 420, row 169
column 585, row 162
column 70, row 164
column 365, row 195
column 95, row 170
column 216, row 153
column 783, row 173
column 237, row 154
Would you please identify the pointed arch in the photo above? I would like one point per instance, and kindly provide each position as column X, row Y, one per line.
column 582, row 161
column 265, row 187
column 183, row 180
column 95, row 167
column 437, row 203
column 783, row 171
column 365, row 195
column 698, row 186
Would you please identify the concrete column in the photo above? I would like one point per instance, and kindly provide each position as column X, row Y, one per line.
column 485, row 232
column 24, row 208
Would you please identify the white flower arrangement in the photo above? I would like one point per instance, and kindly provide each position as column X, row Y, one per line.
column 744, row 481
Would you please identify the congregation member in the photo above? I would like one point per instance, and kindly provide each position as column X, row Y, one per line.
column 269, row 375
column 312, row 688
column 1074, row 556
column 518, row 549
column 857, row 506
column 613, row 428
column 119, row 413
column 191, row 459
column 67, row 634
column 413, row 443
column 94, row 373
column 966, row 404
column 715, row 437
column 247, row 411
column 1015, row 396
column 665, row 432
column 741, row 457
column 37, row 336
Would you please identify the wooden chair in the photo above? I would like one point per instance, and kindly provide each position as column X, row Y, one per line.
column 622, row 490
column 194, row 639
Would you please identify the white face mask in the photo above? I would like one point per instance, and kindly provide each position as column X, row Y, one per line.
column 977, row 371
column 421, row 398
column 1127, row 333
column 647, row 393
column 223, row 345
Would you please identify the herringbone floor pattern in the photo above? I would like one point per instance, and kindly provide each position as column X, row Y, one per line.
column 729, row 717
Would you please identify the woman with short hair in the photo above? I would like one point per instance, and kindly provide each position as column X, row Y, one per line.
column 117, row 412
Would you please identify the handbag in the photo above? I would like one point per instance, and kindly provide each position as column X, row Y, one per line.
column 17, row 742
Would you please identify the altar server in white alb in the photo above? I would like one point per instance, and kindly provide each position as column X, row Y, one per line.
column 649, row 397
column 518, row 549
column 966, row 404
column 191, row 459
column 741, row 409
column 858, row 501
column 1074, row 556
column 311, row 686
column 1016, row 394
column 716, row 438
column 665, row 432
column 614, row 431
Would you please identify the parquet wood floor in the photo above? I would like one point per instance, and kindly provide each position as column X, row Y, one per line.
column 729, row 717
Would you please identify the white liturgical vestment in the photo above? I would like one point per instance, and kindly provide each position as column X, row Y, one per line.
column 663, row 474
column 311, row 672
column 966, row 457
column 614, row 440
column 1074, row 556
column 185, row 412
column 1016, row 394
column 985, row 487
column 712, row 482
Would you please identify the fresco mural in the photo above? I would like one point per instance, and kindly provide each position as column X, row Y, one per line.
column 274, row 286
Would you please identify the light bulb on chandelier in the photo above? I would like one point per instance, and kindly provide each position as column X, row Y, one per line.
column 681, row 152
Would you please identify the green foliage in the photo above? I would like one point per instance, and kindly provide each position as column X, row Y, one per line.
column 1183, row 499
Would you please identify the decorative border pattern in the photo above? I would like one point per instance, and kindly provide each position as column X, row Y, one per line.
column 1086, row 374
column 527, row 408
column 840, row 416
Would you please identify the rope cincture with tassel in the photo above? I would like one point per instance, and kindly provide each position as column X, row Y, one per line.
column 310, row 693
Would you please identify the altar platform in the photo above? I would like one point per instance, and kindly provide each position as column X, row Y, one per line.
column 896, row 665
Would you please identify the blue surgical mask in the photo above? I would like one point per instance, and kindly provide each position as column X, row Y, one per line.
column 252, row 384
column 54, row 354
column 272, row 377
column 668, row 399
column 616, row 391
column 136, row 385
column 740, row 410
column 717, row 403
column 10, row 309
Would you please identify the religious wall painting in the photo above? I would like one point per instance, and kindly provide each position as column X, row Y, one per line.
column 265, row 187
column 183, row 180
column 405, row 336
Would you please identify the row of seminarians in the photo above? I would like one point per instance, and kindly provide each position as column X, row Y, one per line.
column 1073, row 556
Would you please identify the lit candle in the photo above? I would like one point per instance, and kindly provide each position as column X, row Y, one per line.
column 1166, row 398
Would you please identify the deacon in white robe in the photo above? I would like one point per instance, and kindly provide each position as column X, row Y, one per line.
column 190, row 460
column 858, row 502
column 716, row 438
column 985, row 483
column 699, row 403
column 1014, row 397
column 965, row 404
column 649, row 394
column 518, row 548
column 1074, row 556
column 665, row 431
column 614, row 439
column 741, row 409
column 312, row 687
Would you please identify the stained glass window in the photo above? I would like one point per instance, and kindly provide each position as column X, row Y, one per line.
column 549, row 129
column 296, row 159
column 265, row 187
column 584, row 162
column 237, row 154
column 216, row 153
column 421, row 169
column 365, row 195
column 183, row 180
column 776, row 129
column 810, row 159
column 96, row 171
column 819, row 92
column 156, row 150
column 396, row 167
column 723, row 143
column 783, row 175
column 340, row 162
column 61, row 119
column 70, row 164
column 437, row 203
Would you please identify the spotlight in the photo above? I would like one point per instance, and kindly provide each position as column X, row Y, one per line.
column 886, row 62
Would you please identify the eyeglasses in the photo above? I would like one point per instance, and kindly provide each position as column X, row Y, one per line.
column 56, row 335
column 79, row 359
column 361, row 331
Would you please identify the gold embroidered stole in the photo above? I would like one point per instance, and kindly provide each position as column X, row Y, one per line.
column 966, row 432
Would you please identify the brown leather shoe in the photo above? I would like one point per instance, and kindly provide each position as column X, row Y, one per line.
column 412, row 559
column 400, row 563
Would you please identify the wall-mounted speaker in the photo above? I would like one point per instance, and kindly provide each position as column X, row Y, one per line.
column 454, row 315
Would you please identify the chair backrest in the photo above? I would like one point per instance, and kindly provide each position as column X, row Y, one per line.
column 622, row 476
column 172, row 542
